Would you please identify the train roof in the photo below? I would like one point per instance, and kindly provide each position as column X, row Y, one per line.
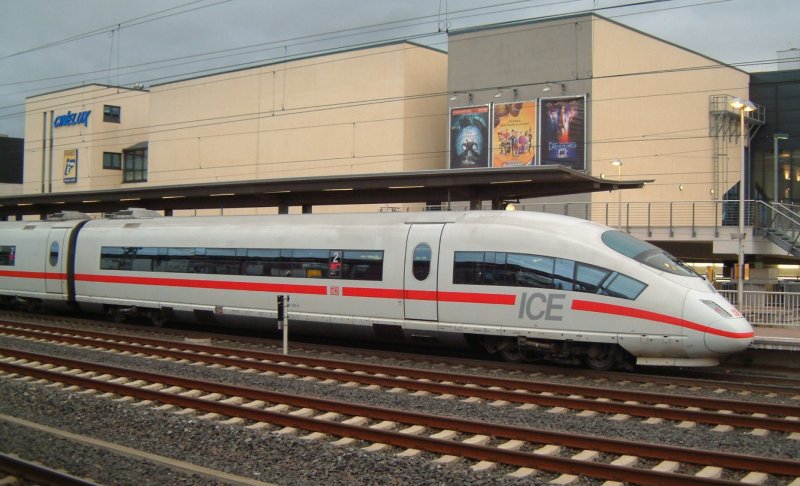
column 552, row 222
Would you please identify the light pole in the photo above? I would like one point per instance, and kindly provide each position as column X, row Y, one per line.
column 618, row 163
column 775, row 138
column 743, row 106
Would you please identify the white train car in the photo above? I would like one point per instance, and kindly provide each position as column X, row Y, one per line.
column 520, row 284
column 35, row 259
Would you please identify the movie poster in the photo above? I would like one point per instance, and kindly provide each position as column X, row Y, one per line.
column 563, row 125
column 71, row 166
column 469, row 137
column 514, row 134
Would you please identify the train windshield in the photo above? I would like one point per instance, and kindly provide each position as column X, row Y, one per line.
column 646, row 253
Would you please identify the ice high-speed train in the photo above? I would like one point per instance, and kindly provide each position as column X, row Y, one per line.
column 519, row 284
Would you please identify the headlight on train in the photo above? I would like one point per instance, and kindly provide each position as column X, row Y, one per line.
column 717, row 308
column 730, row 334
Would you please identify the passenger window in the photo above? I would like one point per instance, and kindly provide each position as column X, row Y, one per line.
column 468, row 267
column 54, row 254
column 421, row 266
column 363, row 264
column 624, row 287
column 565, row 272
column 7, row 254
column 588, row 278
column 530, row 270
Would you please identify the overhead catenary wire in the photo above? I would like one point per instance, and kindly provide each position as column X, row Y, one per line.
column 305, row 39
column 151, row 17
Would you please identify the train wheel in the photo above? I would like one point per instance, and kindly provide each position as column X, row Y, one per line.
column 114, row 314
column 601, row 357
column 510, row 352
column 156, row 318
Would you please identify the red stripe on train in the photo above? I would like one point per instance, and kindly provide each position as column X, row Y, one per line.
column 367, row 292
column 37, row 275
column 618, row 310
column 206, row 284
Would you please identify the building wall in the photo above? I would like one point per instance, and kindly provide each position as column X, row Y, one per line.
column 90, row 139
column 647, row 103
column 543, row 59
column 650, row 109
column 381, row 109
column 525, row 56
column 363, row 111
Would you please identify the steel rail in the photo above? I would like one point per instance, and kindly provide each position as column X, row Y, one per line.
column 733, row 461
column 533, row 389
column 765, row 384
column 38, row 473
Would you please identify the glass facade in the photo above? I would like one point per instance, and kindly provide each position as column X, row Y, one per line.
column 779, row 93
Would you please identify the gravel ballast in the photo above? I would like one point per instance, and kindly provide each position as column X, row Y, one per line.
column 265, row 456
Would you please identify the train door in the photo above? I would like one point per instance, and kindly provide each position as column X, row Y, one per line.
column 55, row 266
column 421, row 272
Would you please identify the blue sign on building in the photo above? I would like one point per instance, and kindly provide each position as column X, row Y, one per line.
column 70, row 119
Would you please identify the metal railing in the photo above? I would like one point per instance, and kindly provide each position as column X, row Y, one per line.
column 651, row 215
column 774, row 309
column 781, row 224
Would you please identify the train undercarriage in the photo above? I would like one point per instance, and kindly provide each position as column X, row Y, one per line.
column 596, row 356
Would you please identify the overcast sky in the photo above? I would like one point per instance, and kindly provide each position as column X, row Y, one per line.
column 46, row 45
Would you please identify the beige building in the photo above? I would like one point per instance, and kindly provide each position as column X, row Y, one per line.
column 658, row 109
column 646, row 100
column 74, row 138
column 380, row 109
column 651, row 110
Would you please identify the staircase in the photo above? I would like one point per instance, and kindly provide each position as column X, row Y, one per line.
column 780, row 224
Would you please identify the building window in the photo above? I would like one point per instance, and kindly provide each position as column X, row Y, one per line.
column 111, row 114
column 112, row 160
column 135, row 169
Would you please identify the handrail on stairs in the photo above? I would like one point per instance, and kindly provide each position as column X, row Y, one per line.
column 780, row 220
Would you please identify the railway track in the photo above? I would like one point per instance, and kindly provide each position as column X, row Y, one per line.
column 550, row 453
column 724, row 414
column 526, row 448
column 16, row 470
column 721, row 381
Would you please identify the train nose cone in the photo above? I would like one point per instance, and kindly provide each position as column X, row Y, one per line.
column 728, row 336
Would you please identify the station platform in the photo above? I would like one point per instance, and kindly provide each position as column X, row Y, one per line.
column 776, row 338
column 774, row 348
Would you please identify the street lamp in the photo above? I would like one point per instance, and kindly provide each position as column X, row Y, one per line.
column 775, row 138
column 618, row 163
column 743, row 106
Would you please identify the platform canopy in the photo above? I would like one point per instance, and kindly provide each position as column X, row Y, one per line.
column 433, row 187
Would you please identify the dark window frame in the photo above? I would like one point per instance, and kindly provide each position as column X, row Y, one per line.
column 112, row 160
column 112, row 114
column 134, row 166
